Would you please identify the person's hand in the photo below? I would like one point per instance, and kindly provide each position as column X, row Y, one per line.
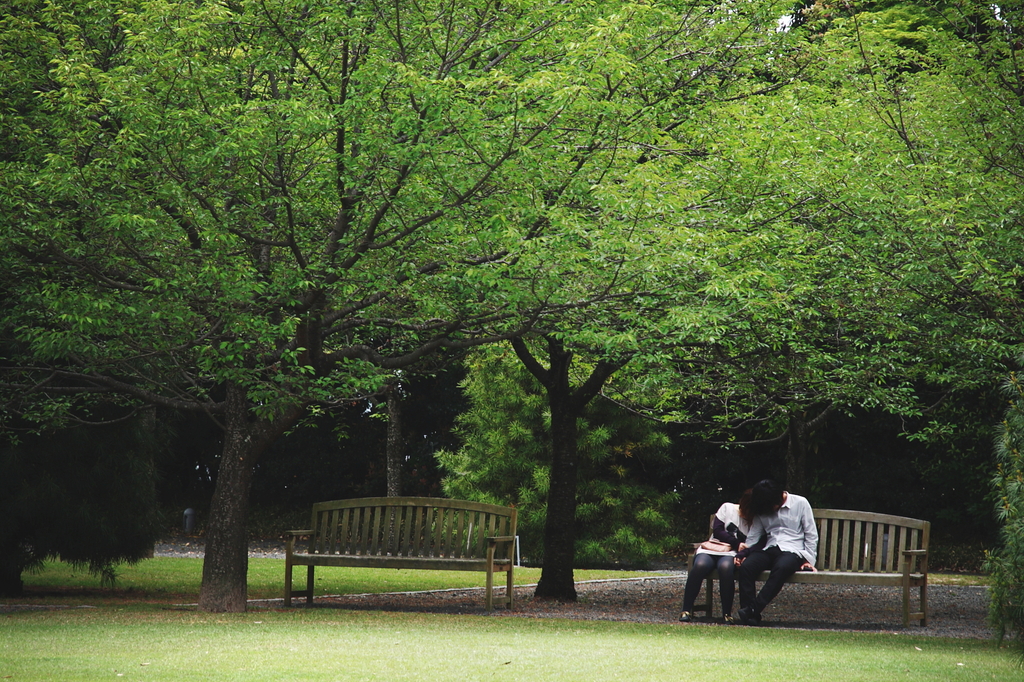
column 738, row 560
column 743, row 546
column 808, row 566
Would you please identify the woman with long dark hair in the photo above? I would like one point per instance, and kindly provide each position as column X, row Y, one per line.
column 729, row 530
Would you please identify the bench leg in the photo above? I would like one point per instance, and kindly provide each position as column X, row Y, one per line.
column 707, row 605
column 922, row 616
column 509, row 591
column 287, row 581
column 906, row 605
column 289, row 587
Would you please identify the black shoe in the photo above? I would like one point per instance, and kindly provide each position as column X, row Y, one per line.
column 747, row 616
column 685, row 617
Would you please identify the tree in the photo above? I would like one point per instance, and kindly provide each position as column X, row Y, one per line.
column 905, row 254
column 621, row 515
column 922, row 167
column 566, row 404
column 783, row 330
column 244, row 209
column 933, row 209
column 85, row 495
column 649, row 242
column 395, row 449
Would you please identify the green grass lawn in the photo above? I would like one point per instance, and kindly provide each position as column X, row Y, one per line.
column 135, row 632
column 166, row 578
column 337, row 645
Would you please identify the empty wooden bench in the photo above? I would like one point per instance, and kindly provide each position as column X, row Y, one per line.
column 863, row 548
column 406, row 532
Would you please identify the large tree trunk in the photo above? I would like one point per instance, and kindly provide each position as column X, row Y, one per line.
column 800, row 430
column 566, row 405
column 226, row 565
column 396, row 443
column 556, row 578
column 796, row 455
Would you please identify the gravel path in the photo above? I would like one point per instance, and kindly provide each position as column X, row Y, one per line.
column 954, row 611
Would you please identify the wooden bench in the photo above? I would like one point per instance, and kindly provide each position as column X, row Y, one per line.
column 406, row 532
column 863, row 548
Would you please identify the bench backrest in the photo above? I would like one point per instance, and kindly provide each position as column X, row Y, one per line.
column 408, row 526
column 865, row 542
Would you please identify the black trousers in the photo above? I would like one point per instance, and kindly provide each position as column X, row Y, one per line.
column 703, row 564
column 780, row 564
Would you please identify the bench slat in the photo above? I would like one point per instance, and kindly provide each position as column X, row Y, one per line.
column 350, row 530
column 489, row 526
column 844, row 555
column 824, row 537
column 376, row 528
column 832, row 549
column 902, row 538
column 477, row 542
column 857, row 549
column 441, row 524
column 463, row 530
column 879, row 557
column 893, row 553
column 388, row 521
column 459, row 536
column 885, row 549
column 871, row 517
column 408, row 515
column 331, row 531
column 425, row 532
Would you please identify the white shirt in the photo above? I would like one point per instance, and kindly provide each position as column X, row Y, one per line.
column 792, row 529
column 729, row 514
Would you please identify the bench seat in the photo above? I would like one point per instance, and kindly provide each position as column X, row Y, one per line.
column 413, row 563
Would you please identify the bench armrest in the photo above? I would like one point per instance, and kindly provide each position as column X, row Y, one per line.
column 492, row 546
column 915, row 559
column 500, row 538
column 292, row 535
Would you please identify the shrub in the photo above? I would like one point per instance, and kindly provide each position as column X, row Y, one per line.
column 1006, row 564
column 84, row 495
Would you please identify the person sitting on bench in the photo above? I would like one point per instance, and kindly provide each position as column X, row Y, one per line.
column 729, row 529
column 792, row 546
